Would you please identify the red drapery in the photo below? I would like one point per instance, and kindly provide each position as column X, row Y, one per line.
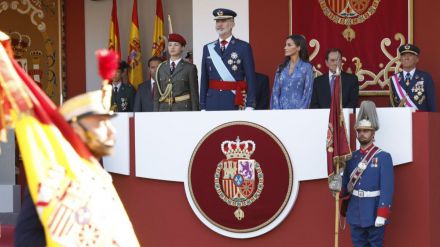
column 371, row 20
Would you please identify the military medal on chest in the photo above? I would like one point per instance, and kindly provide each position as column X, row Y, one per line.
column 375, row 162
column 124, row 104
column 419, row 89
column 238, row 180
column 234, row 61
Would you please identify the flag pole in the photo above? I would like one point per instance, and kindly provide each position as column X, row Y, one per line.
column 337, row 217
column 170, row 25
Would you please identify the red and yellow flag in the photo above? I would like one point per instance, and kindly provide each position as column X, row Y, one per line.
column 135, row 75
column 74, row 197
column 114, row 40
column 158, row 41
column 338, row 149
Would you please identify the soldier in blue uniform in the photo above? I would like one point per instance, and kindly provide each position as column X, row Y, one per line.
column 412, row 87
column 368, row 183
column 228, row 70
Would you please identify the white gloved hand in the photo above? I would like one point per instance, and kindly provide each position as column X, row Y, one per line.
column 248, row 108
column 380, row 221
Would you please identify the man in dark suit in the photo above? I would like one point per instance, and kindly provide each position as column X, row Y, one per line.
column 123, row 92
column 228, row 70
column 143, row 101
column 321, row 96
column 262, row 92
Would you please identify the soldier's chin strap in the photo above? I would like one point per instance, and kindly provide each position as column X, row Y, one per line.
column 89, row 135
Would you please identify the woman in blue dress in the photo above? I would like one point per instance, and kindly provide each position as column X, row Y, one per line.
column 293, row 85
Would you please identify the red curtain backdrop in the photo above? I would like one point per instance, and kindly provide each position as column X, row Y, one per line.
column 316, row 20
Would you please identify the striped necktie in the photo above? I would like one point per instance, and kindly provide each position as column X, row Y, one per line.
column 407, row 78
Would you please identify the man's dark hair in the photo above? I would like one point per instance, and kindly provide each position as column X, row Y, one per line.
column 154, row 58
column 123, row 66
column 332, row 50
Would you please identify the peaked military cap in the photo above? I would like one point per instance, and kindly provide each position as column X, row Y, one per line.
column 409, row 48
column 223, row 14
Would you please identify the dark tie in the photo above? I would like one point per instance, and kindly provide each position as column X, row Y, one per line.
column 173, row 67
column 332, row 84
column 407, row 78
column 115, row 90
column 223, row 45
column 153, row 89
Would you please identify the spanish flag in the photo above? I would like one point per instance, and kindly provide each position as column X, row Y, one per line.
column 158, row 42
column 135, row 76
column 114, row 40
column 74, row 197
column 338, row 148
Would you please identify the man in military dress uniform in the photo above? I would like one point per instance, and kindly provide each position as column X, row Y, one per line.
column 123, row 92
column 412, row 87
column 177, row 83
column 91, row 122
column 228, row 70
column 368, row 183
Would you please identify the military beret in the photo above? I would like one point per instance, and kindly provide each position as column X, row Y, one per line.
column 409, row 48
column 90, row 103
column 175, row 37
column 223, row 14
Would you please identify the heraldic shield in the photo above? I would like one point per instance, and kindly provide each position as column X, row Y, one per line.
column 238, row 179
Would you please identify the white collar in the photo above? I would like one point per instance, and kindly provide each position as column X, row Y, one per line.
column 175, row 61
column 227, row 39
column 411, row 73
column 117, row 84
column 330, row 74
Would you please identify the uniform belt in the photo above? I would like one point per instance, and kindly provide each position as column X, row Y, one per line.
column 177, row 99
column 363, row 193
column 239, row 86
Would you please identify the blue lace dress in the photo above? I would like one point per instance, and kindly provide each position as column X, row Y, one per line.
column 293, row 91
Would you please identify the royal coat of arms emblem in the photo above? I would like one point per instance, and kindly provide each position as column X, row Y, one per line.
column 349, row 13
column 226, row 185
column 238, row 179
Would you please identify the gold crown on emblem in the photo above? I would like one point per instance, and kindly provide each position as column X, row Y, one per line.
column 36, row 53
column 220, row 13
column 20, row 43
column 238, row 149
